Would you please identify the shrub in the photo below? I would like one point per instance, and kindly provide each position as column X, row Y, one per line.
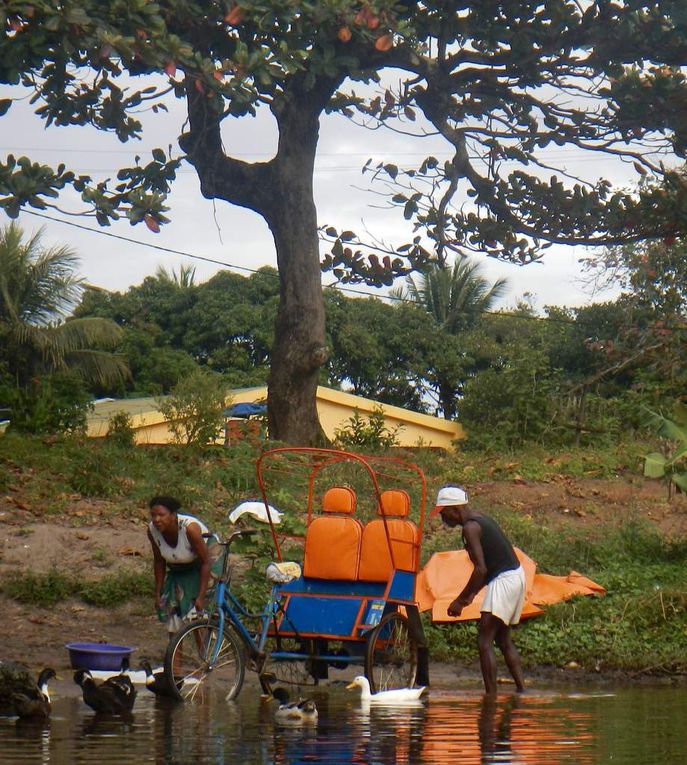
column 39, row 589
column 120, row 430
column 368, row 432
column 195, row 408
column 56, row 403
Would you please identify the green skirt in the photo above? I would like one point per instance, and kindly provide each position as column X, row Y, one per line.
column 182, row 584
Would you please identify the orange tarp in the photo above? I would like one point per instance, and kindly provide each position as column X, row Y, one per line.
column 446, row 573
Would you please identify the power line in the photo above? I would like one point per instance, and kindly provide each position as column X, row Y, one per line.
column 214, row 261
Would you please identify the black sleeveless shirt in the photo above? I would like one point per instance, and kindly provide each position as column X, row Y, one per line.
column 499, row 555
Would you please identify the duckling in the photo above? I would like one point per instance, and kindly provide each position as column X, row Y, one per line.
column 301, row 712
column 158, row 683
column 396, row 696
column 34, row 703
column 112, row 697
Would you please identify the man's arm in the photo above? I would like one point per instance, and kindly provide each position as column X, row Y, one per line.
column 472, row 532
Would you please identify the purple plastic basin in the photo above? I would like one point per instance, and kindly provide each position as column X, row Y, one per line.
column 97, row 655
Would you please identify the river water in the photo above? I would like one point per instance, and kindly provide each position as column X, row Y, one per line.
column 627, row 726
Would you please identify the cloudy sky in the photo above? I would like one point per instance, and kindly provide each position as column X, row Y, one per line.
column 239, row 238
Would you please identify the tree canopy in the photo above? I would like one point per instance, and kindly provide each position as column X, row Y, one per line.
column 505, row 83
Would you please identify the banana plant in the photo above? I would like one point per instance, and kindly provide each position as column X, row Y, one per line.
column 671, row 463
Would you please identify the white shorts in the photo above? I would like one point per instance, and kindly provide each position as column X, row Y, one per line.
column 505, row 596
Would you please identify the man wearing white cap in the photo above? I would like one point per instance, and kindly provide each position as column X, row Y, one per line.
column 495, row 565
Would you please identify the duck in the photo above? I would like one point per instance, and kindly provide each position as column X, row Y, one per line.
column 301, row 712
column 396, row 696
column 14, row 678
column 157, row 682
column 33, row 703
column 115, row 696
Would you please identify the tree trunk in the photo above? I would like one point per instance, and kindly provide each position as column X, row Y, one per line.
column 280, row 190
column 447, row 399
column 299, row 342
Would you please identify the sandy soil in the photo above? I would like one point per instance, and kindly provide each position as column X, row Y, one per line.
column 89, row 542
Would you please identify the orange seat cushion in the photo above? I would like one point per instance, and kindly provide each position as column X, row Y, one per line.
column 375, row 560
column 394, row 502
column 339, row 499
column 332, row 548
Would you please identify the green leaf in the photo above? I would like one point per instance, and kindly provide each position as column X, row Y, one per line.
column 680, row 479
column 5, row 104
column 159, row 156
column 679, row 411
column 654, row 465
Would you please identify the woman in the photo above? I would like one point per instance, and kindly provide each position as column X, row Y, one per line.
column 181, row 561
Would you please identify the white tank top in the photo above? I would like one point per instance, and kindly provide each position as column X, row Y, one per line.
column 183, row 552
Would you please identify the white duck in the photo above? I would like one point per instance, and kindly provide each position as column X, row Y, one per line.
column 396, row 696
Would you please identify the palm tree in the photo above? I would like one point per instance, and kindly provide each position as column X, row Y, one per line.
column 185, row 278
column 456, row 298
column 38, row 289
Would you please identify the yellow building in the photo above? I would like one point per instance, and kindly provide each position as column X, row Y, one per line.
column 334, row 407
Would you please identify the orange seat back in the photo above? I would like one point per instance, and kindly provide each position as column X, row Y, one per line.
column 332, row 542
column 376, row 564
column 339, row 499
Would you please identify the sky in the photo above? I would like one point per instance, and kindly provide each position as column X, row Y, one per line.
column 240, row 239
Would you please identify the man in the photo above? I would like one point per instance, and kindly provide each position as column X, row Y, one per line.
column 495, row 565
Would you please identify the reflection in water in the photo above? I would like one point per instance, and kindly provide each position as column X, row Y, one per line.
column 447, row 728
column 536, row 730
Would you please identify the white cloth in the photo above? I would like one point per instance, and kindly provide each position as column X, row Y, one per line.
column 183, row 552
column 505, row 596
column 256, row 509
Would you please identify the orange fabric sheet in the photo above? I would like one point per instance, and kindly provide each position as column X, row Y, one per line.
column 446, row 573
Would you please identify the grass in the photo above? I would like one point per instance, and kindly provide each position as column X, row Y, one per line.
column 47, row 589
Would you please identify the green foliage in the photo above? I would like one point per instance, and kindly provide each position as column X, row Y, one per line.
column 120, row 430
column 52, row 587
column 194, row 409
column 367, row 431
column 38, row 287
column 672, row 465
column 54, row 403
column 39, row 589
column 513, row 402
column 116, row 589
column 173, row 328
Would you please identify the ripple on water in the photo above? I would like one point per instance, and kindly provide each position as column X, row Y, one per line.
column 628, row 727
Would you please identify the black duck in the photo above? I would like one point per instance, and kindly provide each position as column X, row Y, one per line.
column 33, row 703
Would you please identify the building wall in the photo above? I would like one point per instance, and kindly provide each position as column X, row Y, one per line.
column 334, row 408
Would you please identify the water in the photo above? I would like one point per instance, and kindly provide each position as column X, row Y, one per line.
column 640, row 726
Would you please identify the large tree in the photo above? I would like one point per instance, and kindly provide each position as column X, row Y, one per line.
column 502, row 81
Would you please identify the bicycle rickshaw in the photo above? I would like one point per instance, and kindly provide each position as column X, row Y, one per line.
column 352, row 603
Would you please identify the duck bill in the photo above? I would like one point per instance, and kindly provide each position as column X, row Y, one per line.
column 350, row 686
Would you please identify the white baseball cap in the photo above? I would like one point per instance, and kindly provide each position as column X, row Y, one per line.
column 449, row 496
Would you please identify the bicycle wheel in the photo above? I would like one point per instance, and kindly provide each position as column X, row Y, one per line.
column 391, row 655
column 293, row 672
column 195, row 665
